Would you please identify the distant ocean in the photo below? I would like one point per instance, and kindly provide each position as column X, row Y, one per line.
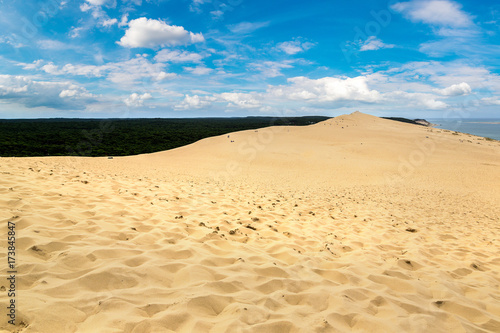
column 481, row 127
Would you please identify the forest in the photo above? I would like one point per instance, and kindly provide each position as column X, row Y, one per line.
column 121, row 137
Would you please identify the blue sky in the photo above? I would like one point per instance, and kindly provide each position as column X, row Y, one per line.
column 203, row 58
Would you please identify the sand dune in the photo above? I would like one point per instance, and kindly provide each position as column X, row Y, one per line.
column 353, row 224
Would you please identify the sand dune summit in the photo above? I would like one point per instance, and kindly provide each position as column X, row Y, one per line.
column 353, row 224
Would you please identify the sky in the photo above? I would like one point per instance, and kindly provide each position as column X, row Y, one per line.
column 231, row 58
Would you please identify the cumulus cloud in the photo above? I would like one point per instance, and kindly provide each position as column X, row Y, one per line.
column 109, row 22
column 83, row 70
column 194, row 102
column 68, row 93
column 373, row 43
column 150, row 33
column 294, row 47
column 416, row 100
column 491, row 101
column 164, row 76
column 50, row 68
column 177, row 56
column 455, row 90
column 445, row 74
column 125, row 73
column 327, row 89
column 34, row 65
column 74, row 92
column 123, row 21
column 136, row 99
column 56, row 95
column 434, row 12
column 241, row 100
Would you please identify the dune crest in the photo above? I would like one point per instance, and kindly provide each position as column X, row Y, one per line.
column 353, row 224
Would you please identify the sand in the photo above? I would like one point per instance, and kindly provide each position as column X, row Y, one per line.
column 353, row 224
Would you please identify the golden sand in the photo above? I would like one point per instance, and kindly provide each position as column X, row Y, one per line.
column 352, row 224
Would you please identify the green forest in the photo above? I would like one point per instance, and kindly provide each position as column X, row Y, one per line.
column 121, row 137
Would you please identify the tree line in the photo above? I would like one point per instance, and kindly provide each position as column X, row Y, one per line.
column 121, row 137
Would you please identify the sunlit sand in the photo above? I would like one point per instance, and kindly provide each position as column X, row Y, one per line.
column 352, row 224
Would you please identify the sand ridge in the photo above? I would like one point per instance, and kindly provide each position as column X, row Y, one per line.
column 309, row 229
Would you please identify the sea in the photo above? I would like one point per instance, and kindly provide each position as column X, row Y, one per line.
column 489, row 128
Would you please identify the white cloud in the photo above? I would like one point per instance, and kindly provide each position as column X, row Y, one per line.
column 128, row 73
column 433, row 85
column 164, row 76
column 177, row 56
column 123, row 21
column 125, row 73
column 435, row 12
column 303, row 93
column 327, row 89
column 100, row 2
column 135, row 2
column 101, row 18
column 373, row 43
column 83, row 70
column 446, row 74
column 68, row 93
column 217, row 14
column 9, row 90
column 75, row 91
column 50, row 44
column 136, row 99
column 56, row 95
column 294, row 47
column 246, row 27
column 271, row 68
column 465, row 47
column 415, row 100
column 194, row 102
column 96, row 2
column 85, row 7
column 34, row 65
column 199, row 70
column 455, row 90
column 109, row 22
column 50, row 68
column 150, row 33
column 12, row 40
column 75, row 32
column 196, row 4
column 242, row 100
column 491, row 100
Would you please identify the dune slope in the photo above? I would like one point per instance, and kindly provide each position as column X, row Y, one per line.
column 353, row 224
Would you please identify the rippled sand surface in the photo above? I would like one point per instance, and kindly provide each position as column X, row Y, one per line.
column 353, row 224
